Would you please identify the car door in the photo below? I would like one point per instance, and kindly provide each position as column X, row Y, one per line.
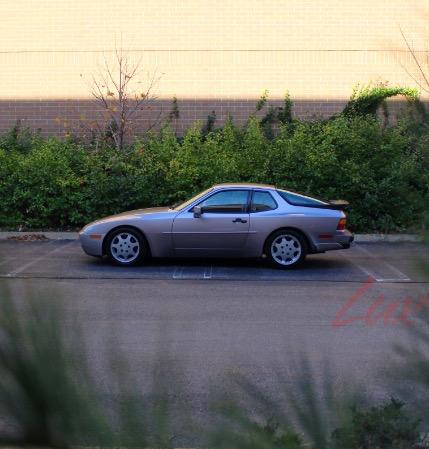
column 221, row 229
column 263, row 220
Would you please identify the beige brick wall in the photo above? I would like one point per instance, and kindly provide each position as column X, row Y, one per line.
column 212, row 55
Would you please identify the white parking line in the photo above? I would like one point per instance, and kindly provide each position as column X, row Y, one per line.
column 208, row 272
column 401, row 276
column 178, row 273
column 38, row 259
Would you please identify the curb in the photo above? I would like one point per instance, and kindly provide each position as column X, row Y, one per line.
column 389, row 238
column 359, row 238
column 21, row 235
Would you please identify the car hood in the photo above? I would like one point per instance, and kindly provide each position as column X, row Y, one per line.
column 139, row 212
column 129, row 214
column 149, row 210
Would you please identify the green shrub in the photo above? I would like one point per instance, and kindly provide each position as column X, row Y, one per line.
column 41, row 187
column 354, row 159
column 383, row 173
column 367, row 99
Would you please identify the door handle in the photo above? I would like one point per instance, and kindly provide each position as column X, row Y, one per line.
column 239, row 220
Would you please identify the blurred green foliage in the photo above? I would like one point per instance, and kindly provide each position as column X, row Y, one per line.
column 387, row 426
column 50, row 395
column 315, row 414
column 44, row 400
column 50, row 398
column 382, row 171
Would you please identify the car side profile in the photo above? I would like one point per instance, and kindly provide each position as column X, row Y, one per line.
column 226, row 220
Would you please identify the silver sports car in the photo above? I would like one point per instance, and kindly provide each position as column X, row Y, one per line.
column 227, row 220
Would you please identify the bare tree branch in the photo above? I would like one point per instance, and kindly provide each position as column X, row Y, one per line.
column 120, row 104
column 416, row 61
column 415, row 79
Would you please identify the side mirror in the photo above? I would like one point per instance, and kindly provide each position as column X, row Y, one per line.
column 197, row 211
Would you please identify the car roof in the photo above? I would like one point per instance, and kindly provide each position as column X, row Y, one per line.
column 243, row 184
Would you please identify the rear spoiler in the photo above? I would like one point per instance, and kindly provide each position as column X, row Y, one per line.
column 337, row 204
column 331, row 204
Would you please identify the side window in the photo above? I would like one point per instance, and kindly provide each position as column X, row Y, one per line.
column 227, row 201
column 262, row 201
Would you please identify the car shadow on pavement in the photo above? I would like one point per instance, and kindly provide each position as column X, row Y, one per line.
column 315, row 261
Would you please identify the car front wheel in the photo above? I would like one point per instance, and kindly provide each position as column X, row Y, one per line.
column 286, row 249
column 126, row 247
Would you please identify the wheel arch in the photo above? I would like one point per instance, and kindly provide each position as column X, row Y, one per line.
column 135, row 228
column 309, row 243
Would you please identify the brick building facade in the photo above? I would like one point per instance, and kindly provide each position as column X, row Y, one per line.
column 211, row 55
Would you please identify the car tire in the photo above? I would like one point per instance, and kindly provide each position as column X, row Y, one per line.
column 286, row 249
column 126, row 247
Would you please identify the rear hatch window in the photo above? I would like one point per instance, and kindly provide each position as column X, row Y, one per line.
column 296, row 199
column 300, row 200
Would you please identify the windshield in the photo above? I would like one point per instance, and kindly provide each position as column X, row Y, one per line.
column 181, row 206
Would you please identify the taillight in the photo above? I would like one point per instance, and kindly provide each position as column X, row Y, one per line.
column 341, row 224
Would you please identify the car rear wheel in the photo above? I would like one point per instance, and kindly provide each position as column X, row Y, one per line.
column 286, row 249
column 126, row 247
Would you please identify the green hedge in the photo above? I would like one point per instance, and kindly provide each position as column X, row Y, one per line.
column 383, row 173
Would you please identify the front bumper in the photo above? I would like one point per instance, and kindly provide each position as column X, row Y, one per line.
column 92, row 246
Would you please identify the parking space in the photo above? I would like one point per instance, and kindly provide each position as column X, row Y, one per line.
column 230, row 316
column 385, row 262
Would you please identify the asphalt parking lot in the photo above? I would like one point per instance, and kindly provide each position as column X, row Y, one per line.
column 64, row 259
column 215, row 319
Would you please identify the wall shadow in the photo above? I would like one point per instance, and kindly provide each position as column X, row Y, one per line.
column 60, row 117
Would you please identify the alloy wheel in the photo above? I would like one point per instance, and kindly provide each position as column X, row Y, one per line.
column 125, row 247
column 286, row 249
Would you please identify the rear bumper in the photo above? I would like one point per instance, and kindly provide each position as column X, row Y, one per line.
column 340, row 240
column 346, row 245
